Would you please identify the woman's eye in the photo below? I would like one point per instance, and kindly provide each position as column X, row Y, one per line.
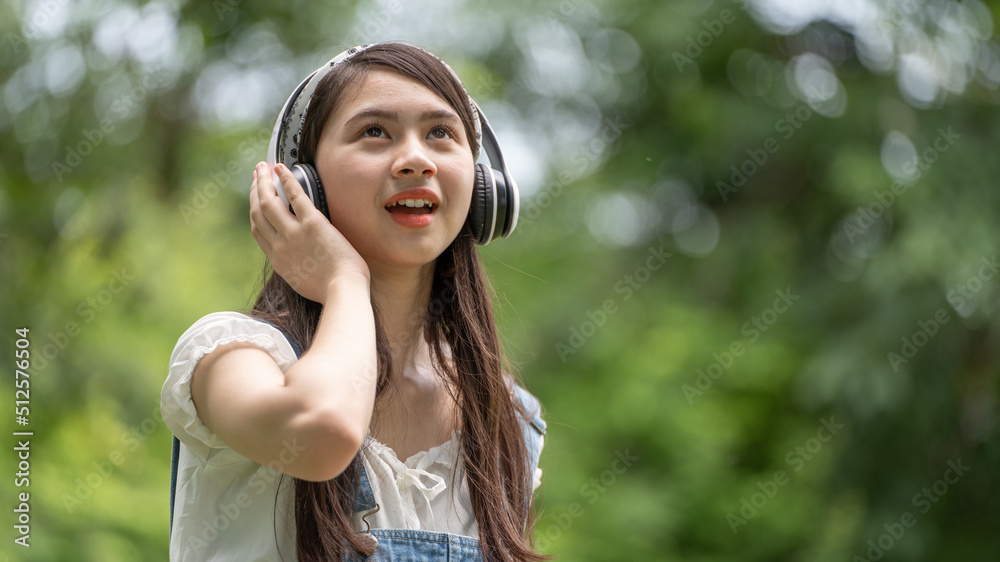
column 440, row 133
column 374, row 132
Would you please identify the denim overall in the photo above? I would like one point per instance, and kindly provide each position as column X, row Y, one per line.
column 403, row 545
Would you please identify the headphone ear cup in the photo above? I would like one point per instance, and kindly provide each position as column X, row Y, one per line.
column 482, row 211
column 308, row 178
column 512, row 206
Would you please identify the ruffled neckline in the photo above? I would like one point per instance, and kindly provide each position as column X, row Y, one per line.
column 413, row 472
column 444, row 452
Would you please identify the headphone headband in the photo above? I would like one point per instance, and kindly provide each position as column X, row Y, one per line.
column 287, row 133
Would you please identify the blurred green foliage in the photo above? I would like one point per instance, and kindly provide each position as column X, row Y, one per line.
column 754, row 282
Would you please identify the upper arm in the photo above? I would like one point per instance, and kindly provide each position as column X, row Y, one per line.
column 240, row 394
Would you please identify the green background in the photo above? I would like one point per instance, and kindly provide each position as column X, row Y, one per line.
column 742, row 223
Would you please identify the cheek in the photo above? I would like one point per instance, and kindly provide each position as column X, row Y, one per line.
column 464, row 195
column 344, row 196
column 462, row 180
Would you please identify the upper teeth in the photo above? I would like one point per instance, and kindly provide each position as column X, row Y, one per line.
column 414, row 202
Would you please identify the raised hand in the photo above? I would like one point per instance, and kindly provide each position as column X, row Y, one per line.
column 304, row 248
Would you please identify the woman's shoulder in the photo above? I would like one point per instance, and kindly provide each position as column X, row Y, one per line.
column 529, row 403
column 218, row 328
column 203, row 337
column 222, row 319
column 533, row 426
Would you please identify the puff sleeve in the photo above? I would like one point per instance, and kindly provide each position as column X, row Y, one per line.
column 203, row 337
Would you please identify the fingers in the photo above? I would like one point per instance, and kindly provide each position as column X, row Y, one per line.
column 258, row 222
column 261, row 241
column 261, row 230
column 272, row 208
column 297, row 198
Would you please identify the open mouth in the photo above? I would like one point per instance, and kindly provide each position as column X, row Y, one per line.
column 411, row 207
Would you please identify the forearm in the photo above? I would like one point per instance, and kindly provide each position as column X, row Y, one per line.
column 335, row 379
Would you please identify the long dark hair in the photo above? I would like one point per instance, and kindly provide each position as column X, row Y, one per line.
column 459, row 326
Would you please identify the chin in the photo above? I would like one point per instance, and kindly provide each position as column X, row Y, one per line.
column 413, row 251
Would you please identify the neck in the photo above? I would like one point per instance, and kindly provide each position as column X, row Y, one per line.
column 402, row 296
column 415, row 412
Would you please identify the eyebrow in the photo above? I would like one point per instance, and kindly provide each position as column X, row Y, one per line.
column 377, row 113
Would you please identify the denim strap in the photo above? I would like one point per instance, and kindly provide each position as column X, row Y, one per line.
column 534, row 427
column 366, row 497
column 175, row 453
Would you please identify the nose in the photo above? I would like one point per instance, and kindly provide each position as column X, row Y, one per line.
column 413, row 159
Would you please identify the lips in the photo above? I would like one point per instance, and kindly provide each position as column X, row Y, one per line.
column 413, row 208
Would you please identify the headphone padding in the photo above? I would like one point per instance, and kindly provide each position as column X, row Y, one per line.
column 513, row 207
column 510, row 207
column 481, row 208
column 309, row 179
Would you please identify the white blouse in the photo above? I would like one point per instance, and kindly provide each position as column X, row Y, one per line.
column 226, row 504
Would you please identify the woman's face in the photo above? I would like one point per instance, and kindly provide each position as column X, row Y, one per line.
column 397, row 169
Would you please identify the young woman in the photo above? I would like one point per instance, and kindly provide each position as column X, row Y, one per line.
column 396, row 434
